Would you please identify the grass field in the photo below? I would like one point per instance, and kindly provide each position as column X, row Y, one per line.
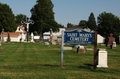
column 39, row 61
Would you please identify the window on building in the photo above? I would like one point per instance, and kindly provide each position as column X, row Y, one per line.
column 19, row 29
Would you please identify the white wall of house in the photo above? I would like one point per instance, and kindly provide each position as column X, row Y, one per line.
column 19, row 30
column 46, row 35
column 22, row 31
column 36, row 37
column 100, row 39
column 24, row 36
column 13, row 38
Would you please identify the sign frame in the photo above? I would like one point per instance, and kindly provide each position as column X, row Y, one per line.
column 76, row 37
column 95, row 48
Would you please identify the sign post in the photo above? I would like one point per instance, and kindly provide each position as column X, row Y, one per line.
column 62, row 48
column 76, row 37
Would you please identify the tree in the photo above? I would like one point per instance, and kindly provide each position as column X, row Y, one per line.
column 43, row 16
column 108, row 23
column 91, row 22
column 7, row 18
column 19, row 18
column 69, row 25
column 61, row 26
column 83, row 23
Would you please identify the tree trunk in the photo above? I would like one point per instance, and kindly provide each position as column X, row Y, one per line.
column 41, row 36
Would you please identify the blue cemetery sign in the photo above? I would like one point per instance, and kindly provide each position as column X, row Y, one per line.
column 76, row 37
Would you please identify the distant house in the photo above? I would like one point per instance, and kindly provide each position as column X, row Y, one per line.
column 17, row 35
column 21, row 29
column 46, row 35
column 14, row 36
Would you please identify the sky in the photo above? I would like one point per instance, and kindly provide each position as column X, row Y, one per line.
column 68, row 11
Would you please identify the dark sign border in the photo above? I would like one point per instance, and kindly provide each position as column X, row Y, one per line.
column 76, row 37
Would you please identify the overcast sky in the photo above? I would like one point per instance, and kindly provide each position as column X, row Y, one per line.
column 71, row 11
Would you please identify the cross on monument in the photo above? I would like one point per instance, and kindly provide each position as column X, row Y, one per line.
column 111, row 34
column 27, row 22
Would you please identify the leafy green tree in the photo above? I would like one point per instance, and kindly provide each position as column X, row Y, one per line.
column 108, row 23
column 7, row 18
column 19, row 18
column 61, row 26
column 69, row 25
column 83, row 23
column 91, row 22
column 43, row 16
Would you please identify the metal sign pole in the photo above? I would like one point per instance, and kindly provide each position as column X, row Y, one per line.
column 62, row 48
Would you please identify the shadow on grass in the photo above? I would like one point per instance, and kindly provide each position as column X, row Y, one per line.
column 87, row 66
column 50, row 65
column 91, row 68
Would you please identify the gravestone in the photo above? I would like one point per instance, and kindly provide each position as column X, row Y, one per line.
column 80, row 49
column 46, row 43
column 32, row 37
column 54, row 39
column 89, row 48
column 67, row 48
column 110, row 40
column 102, row 44
column 2, row 35
column 119, row 39
column 113, row 45
column 8, row 39
column 102, row 58
column 59, row 40
column 0, row 40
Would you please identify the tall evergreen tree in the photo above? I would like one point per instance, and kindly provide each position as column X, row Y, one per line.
column 7, row 18
column 43, row 16
column 91, row 22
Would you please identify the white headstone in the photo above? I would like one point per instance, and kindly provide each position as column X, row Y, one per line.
column 89, row 48
column 32, row 37
column 114, row 45
column 102, row 58
column 0, row 40
column 67, row 48
column 80, row 49
column 46, row 43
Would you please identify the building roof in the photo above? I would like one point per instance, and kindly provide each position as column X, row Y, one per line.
column 21, row 25
column 70, row 29
column 11, row 33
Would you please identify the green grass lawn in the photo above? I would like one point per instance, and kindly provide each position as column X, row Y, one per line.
column 39, row 61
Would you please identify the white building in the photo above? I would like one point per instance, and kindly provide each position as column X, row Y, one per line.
column 46, row 35
column 17, row 35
